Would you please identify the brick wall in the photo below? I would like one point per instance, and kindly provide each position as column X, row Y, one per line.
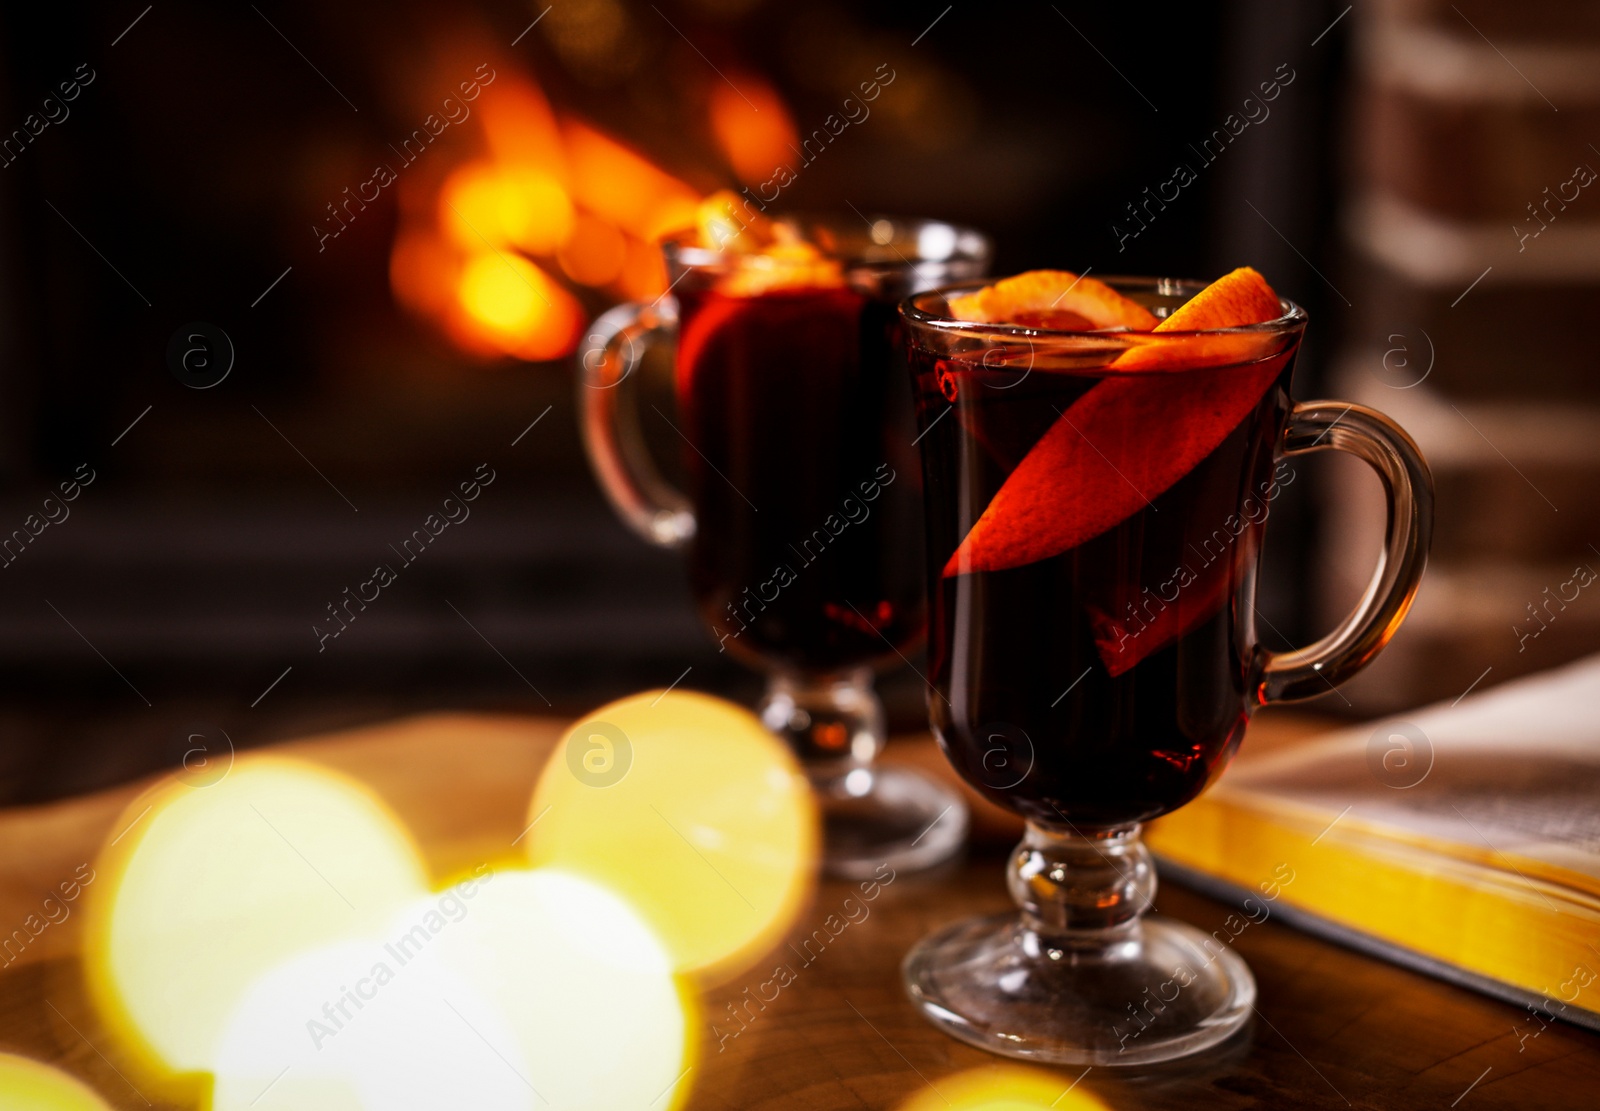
column 1471, row 228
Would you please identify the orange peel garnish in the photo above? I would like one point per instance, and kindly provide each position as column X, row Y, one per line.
column 1127, row 439
column 1054, row 299
column 767, row 254
column 1237, row 298
column 1234, row 300
column 728, row 226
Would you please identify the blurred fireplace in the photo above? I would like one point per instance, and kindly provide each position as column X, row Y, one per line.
column 395, row 331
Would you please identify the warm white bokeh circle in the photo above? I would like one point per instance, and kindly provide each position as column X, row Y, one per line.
column 405, row 1047
column 508, row 992
column 582, row 981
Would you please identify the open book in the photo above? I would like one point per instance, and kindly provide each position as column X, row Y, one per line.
column 1463, row 840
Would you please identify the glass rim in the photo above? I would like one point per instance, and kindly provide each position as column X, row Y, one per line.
column 964, row 244
column 1294, row 316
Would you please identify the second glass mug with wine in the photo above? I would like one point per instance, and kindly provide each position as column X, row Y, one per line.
column 802, row 520
column 1099, row 461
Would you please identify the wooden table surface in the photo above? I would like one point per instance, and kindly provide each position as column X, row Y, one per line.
column 1334, row 1028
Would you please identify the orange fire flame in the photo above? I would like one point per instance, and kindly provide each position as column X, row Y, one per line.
column 752, row 127
column 491, row 248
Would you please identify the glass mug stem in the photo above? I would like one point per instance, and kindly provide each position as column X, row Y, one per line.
column 835, row 724
column 1089, row 887
column 873, row 815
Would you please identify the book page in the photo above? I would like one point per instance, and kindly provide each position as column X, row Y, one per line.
column 1515, row 769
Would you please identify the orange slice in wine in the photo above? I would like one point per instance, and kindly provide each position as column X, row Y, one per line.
column 1232, row 301
column 1129, row 437
column 1132, row 620
column 726, row 225
column 1054, row 299
column 769, row 254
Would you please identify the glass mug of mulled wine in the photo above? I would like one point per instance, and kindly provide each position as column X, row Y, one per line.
column 1098, row 463
column 802, row 515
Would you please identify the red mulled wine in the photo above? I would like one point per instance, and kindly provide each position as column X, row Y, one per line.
column 803, row 475
column 1106, row 683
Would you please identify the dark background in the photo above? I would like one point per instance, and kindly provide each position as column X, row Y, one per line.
column 187, row 177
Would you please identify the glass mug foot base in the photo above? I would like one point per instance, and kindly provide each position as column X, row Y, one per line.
column 874, row 816
column 1160, row 993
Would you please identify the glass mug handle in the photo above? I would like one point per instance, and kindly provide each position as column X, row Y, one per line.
column 1408, row 489
column 607, row 358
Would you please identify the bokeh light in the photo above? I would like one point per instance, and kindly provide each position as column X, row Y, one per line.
column 207, row 888
column 288, row 1047
column 585, row 986
column 520, row 127
column 621, row 186
column 709, row 831
column 515, row 306
column 27, row 1085
column 484, row 249
column 595, row 253
column 753, row 128
column 1004, row 1088
column 503, row 206
column 507, row 992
